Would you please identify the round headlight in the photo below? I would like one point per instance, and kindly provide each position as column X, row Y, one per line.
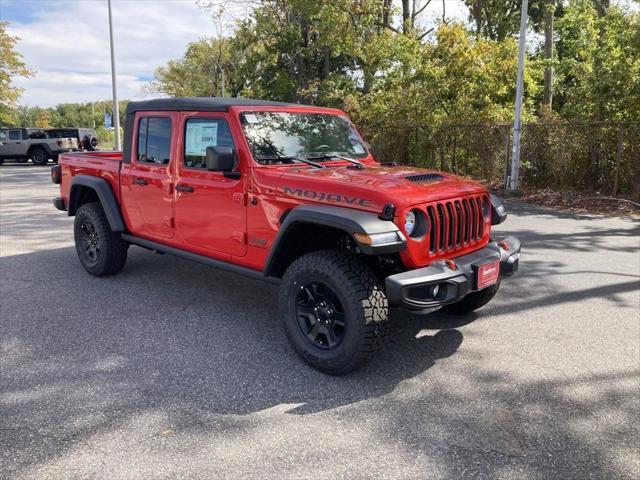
column 410, row 222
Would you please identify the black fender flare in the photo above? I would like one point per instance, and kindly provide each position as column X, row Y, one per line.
column 105, row 195
column 43, row 146
column 498, row 212
column 348, row 220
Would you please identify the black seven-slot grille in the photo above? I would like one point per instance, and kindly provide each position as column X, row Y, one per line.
column 456, row 223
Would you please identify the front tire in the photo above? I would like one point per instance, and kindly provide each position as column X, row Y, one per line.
column 473, row 301
column 101, row 251
column 334, row 311
column 39, row 156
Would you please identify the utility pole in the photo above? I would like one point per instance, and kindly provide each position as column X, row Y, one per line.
column 116, row 110
column 549, row 10
column 517, row 122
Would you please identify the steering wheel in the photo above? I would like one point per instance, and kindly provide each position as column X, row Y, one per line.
column 319, row 148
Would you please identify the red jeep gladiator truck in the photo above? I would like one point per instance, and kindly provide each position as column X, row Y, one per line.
column 289, row 194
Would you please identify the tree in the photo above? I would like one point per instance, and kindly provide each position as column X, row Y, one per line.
column 495, row 19
column 11, row 65
column 598, row 63
column 208, row 68
column 43, row 120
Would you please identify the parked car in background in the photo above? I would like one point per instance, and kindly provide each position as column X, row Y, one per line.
column 22, row 144
column 87, row 137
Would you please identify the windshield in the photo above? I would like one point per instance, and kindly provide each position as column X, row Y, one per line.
column 280, row 137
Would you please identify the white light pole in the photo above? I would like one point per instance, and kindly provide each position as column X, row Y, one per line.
column 116, row 110
column 517, row 122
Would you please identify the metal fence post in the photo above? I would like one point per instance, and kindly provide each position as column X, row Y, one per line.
column 506, row 157
column 618, row 158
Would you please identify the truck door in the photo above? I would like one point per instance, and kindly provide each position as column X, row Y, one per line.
column 14, row 146
column 210, row 207
column 147, row 178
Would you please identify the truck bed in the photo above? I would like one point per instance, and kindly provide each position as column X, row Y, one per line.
column 105, row 164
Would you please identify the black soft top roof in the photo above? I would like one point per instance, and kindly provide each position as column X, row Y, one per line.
column 209, row 104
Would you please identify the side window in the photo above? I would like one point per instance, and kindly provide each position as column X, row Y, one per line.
column 15, row 135
column 201, row 133
column 154, row 140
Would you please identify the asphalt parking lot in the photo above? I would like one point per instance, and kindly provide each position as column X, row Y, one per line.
column 175, row 370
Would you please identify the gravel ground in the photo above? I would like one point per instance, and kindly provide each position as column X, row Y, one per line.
column 174, row 370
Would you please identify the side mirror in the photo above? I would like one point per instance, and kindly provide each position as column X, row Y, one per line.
column 220, row 159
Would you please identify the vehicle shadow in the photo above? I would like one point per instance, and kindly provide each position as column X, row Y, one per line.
column 86, row 354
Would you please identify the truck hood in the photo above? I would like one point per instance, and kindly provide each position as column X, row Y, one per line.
column 373, row 186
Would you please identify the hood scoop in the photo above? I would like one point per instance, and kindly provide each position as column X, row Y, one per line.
column 425, row 178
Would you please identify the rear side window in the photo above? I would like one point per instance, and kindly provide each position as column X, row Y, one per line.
column 154, row 140
column 15, row 135
column 201, row 133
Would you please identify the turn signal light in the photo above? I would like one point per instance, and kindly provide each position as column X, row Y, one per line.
column 376, row 239
column 504, row 245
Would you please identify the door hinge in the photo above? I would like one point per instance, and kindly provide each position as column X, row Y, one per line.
column 240, row 237
column 240, row 198
column 168, row 221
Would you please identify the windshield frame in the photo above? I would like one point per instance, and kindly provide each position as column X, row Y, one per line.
column 295, row 109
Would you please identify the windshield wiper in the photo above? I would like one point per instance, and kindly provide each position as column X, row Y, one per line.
column 289, row 157
column 329, row 156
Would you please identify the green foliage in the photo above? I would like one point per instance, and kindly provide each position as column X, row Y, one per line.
column 207, row 69
column 437, row 97
column 598, row 63
column 80, row 115
column 11, row 65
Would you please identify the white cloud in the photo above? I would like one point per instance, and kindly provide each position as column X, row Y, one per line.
column 67, row 43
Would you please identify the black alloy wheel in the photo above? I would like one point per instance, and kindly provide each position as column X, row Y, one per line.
column 320, row 315
column 39, row 156
column 90, row 242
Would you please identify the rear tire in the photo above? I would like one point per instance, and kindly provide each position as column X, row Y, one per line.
column 39, row 156
column 101, row 251
column 331, row 291
column 473, row 301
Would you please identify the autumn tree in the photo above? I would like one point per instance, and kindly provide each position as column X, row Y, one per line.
column 11, row 65
column 208, row 68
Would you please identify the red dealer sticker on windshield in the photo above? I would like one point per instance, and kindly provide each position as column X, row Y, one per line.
column 488, row 274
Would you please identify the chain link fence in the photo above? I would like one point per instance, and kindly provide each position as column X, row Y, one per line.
column 601, row 157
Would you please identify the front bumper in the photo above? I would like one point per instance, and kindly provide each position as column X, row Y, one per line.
column 58, row 202
column 415, row 289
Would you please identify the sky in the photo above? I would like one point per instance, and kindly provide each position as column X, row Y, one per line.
column 67, row 43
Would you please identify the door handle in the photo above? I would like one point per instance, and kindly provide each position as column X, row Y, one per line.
column 140, row 181
column 184, row 188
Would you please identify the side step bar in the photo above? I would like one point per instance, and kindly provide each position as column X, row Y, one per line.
column 212, row 262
